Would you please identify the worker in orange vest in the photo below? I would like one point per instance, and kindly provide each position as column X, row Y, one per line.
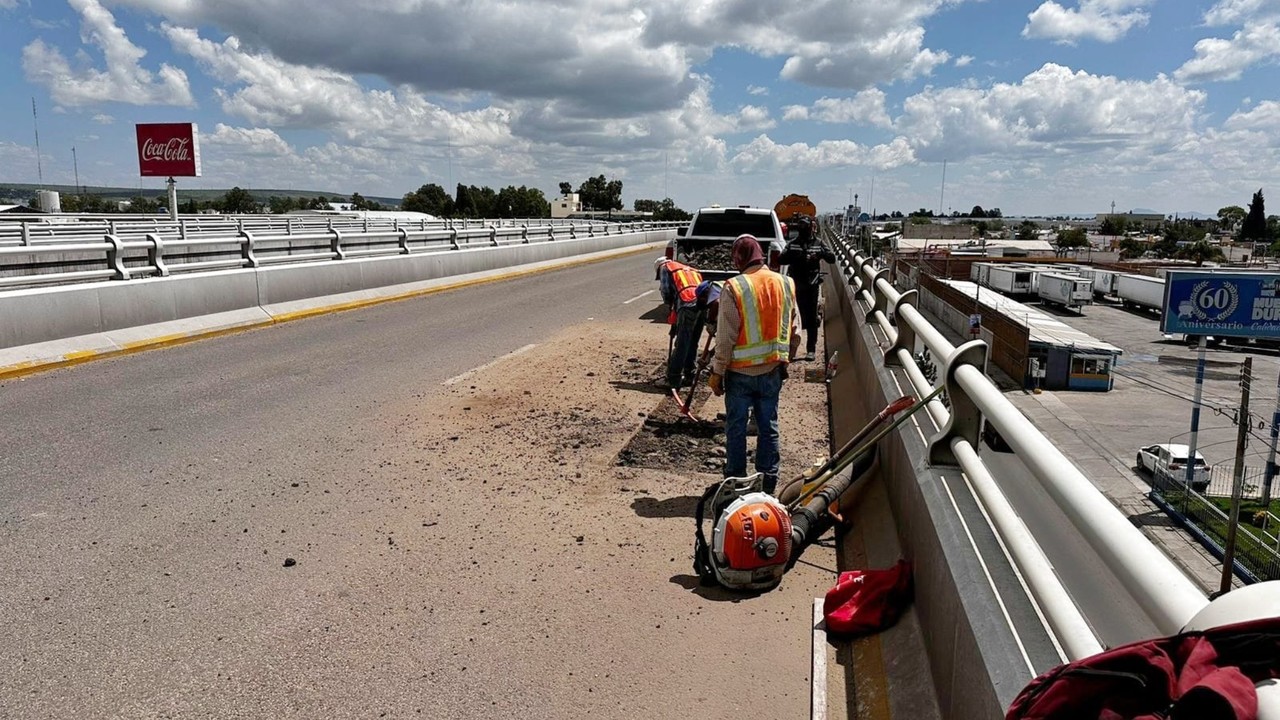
column 678, row 284
column 758, row 334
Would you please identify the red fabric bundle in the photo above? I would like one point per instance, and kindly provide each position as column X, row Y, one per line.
column 867, row 601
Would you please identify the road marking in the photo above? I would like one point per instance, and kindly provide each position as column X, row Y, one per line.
column 643, row 294
column 459, row 378
column 818, row 681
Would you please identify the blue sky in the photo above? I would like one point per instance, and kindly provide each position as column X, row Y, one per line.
column 1036, row 107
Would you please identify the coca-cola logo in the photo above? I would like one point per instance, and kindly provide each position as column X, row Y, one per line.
column 172, row 150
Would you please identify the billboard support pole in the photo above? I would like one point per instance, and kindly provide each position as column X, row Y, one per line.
column 173, row 199
column 1237, row 484
column 1195, row 411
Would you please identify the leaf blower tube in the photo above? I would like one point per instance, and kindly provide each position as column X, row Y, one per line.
column 808, row 518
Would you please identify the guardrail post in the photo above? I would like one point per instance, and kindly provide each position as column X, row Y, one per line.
column 524, row 234
column 551, row 232
column 26, row 233
column 155, row 255
column 573, row 232
column 115, row 257
column 335, row 245
column 288, row 226
column 453, row 237
column 905, row 339
column 246, row 249
column 880, row 301
column 404, row 239
column 966, row 419
column 493, row 235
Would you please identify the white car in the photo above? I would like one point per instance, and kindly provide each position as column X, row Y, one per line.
column 1170, row 461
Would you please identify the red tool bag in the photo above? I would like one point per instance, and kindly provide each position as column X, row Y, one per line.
column 1207, row 675
column 867, row 601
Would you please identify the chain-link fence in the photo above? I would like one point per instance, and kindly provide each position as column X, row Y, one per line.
column 1257, row 556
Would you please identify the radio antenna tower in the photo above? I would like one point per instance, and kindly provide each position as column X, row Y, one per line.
column 36, row 122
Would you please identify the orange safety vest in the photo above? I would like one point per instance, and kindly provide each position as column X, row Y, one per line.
column 764, row 300
column 686, row 280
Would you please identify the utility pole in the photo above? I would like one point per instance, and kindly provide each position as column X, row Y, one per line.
column 1237, row 485
column 36, row 122
column 1271, row 456
column 943, row 193
column 76, row 164
column 1195, row 412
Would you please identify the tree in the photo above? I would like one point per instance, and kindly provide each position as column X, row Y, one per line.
column 1255, row 223
column 1070, row 239
column 1027, row 230
column 1113, row 225
column 1200, row 251
column 566, row 188
column 600, row 193
column 359, row 202
column 140, row 204
column 994, row 213
column 281, row 205
column 237, row 201
column 431, row 199
column 667, row 211
column 649, row 206
column 1131, row 248
column 1230, row 216
column 521, row 202
column 977, row 212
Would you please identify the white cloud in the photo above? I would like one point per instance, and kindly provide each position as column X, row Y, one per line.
column 8, row 4
column 866, row 108
column 103, row 119
column 248, row 141
column 1102, row 20
column 1240, row 12
column 795, row 112
column 1265, row 116
column 754, row 117
column 763, row 155
column 123, row 80
column 964, row 60
column 268, row 91
column 1052, row 112
column 1220, row 59
column 757, row 90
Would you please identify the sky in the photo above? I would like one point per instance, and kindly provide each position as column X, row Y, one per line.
column 1037, row 108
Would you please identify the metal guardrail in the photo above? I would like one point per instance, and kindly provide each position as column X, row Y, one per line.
column 74, row 252
column 1163, row 592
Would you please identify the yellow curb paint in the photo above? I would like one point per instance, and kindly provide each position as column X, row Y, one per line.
column 30, row 367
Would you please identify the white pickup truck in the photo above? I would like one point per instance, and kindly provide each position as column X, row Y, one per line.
column 704, row 245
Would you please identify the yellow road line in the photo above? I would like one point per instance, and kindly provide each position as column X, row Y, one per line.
column 78, row 357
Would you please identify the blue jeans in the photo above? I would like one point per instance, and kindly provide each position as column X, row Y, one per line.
column 759, row 395
column 689, row 322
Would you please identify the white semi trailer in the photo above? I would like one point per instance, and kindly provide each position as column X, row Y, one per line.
column 1010, row 280
column 1070, row 291
column 1141, row 291
column 1104, row 281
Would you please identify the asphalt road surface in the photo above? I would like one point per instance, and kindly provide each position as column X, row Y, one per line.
column 381, row 513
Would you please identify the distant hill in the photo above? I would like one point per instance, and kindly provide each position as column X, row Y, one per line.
column 26, row 190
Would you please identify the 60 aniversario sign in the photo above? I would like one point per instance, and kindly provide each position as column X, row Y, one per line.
column 1228, row 304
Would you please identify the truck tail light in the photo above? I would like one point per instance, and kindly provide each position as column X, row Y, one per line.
column 671, row 252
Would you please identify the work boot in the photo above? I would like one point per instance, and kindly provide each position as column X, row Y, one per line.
column 770, row 483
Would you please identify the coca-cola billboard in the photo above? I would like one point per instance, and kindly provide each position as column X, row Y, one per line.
column 168, row 150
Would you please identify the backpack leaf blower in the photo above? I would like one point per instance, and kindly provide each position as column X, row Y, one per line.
column 756, row 537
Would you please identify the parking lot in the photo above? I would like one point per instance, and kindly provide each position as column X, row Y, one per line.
column 1151, row 403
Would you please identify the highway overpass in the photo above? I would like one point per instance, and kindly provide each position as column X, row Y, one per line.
column 434, row 504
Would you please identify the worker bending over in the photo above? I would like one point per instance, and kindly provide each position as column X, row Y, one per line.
column 678, row 284
column 756, row 338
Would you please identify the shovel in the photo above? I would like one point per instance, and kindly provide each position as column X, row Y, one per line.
column 686, row 405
